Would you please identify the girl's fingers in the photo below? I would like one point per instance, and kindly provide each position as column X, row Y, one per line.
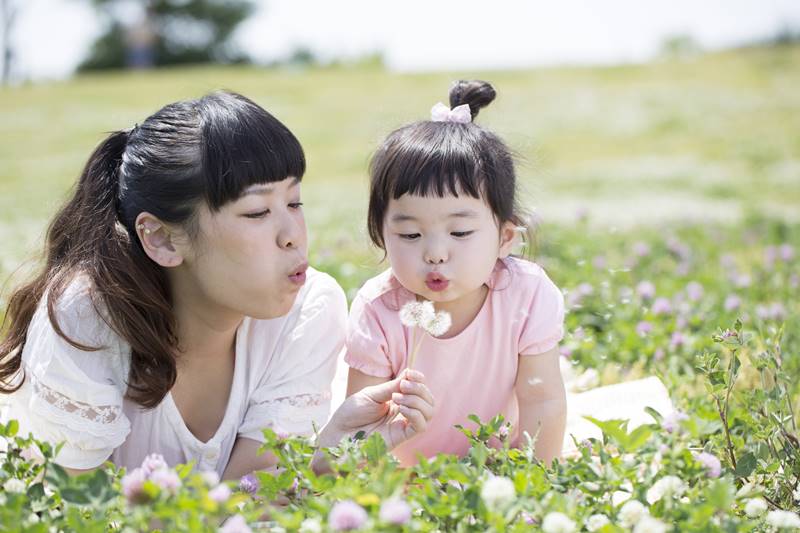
column 414, row 375
column 417, row 389
column 414, row 402
column 415, row 418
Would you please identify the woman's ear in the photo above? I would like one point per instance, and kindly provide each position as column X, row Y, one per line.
column 157, row 240
column 509, row 238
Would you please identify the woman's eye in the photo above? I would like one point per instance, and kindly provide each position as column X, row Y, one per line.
column 461, row 233
column 260, row 214
column 296, row 205
column 409, row 236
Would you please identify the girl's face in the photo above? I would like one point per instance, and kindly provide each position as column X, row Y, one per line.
column 252, row 254
column 443, row 249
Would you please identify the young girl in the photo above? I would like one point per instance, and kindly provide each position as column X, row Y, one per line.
column 176, row 312
column 442, row 206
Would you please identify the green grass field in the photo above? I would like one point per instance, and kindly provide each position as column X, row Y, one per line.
column 713, row 137
column 686, row 176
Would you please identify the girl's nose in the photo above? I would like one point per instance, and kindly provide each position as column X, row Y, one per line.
column 435, row 256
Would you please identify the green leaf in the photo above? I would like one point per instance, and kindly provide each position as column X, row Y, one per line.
column 12, row 428
column 745, row 465
column 375, row 448
column 638, row 437
column 720, row 494
column 75, row 495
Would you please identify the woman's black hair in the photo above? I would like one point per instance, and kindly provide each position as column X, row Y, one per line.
column 445, row 158
column 207, row 150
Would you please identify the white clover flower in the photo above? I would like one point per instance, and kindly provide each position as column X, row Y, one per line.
column 620, row 496
column 210, row 478
column 557, row 523
column 631, row 513
column 414, row 314
column 596, row 521
column 220, row 494
column 648, row 524
column 755, row 507
column 497, row 491
column 438, row 324
column 666, row 486
column 796, row 495
column 783, row 519
column 14, row 485
column 749, row 489
column 311, row 525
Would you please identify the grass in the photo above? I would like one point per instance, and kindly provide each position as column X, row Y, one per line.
column 714, row 137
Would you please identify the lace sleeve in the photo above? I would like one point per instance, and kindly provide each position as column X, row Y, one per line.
column 71, row 395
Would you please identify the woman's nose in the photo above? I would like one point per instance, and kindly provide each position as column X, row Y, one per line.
column 291, row 235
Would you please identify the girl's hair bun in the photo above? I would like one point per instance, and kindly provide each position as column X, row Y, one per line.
column 478, row 94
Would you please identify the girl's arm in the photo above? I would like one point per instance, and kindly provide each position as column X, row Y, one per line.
column 357, row 380
column 542, row 403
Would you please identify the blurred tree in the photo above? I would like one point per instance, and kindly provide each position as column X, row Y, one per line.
column 167, row 32
column 9, row 9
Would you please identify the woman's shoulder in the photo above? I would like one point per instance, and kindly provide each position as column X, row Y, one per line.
column 79, row 314
column 319, row 285
column 78, row 341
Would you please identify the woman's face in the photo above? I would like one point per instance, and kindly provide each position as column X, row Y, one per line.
column 251, row 256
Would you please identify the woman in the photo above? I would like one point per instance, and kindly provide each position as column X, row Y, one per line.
column 176, row 312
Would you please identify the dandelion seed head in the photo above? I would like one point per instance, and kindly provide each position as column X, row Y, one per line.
column 438, row 324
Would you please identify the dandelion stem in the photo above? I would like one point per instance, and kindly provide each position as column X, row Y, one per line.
column 414, row 353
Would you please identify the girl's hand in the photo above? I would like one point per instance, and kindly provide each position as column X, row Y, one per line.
column 397, row 409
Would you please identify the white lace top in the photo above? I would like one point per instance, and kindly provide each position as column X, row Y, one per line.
column 282, row 379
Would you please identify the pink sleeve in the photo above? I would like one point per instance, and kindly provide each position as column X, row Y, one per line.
column 366, row 344
column 544, row 327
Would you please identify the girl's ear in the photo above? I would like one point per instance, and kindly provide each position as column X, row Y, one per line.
column 157, row 240
column 509, row 237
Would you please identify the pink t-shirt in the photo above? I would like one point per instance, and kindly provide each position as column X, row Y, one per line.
column 471, row 373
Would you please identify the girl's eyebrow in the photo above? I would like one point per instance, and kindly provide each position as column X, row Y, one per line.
column 467, row 213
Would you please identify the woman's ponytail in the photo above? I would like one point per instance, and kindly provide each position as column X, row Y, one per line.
column 83, row 223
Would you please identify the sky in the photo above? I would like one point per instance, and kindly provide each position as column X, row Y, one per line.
column 53, row 36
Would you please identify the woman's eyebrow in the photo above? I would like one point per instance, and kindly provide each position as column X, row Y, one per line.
column 267, row 188
column 259, row 189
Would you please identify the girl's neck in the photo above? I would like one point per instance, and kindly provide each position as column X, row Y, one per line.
column 463, row 310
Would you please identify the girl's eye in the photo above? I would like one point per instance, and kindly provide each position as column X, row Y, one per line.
column 260, row 214
column 461, row 233
column 409, row 236
column 296, row 205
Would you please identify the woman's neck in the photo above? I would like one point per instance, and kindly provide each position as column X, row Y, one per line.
column 206, row 331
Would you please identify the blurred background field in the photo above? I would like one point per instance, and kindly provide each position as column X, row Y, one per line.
column 709, row 137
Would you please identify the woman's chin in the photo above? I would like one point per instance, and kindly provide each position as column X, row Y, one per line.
column 275, row 310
